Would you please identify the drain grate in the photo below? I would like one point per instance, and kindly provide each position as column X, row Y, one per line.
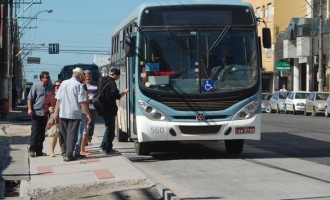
column 12, row 188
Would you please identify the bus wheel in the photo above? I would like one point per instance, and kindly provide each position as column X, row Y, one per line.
column 234, row 146
column 141, row 148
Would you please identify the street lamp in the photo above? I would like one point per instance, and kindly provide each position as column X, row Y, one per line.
column 24, row 26
column 29, row 49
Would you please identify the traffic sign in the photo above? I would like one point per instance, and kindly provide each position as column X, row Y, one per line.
column 33, row 60
column 53, row 48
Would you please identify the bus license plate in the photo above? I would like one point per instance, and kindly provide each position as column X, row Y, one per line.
column 245, row 130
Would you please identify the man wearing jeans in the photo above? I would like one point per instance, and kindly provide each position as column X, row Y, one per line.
column 36, row 98
column 109, row 90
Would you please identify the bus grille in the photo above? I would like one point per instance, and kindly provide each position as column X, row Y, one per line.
column 200, row 129
column 200, row 105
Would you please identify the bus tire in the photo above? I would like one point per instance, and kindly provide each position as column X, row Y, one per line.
column 141, row 148
column 234, row 146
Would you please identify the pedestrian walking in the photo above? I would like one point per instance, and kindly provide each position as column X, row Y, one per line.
column 35, row 101
column 49, row 110
column 109, row 90
column 71, row 97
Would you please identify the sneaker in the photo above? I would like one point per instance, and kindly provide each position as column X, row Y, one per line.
column 32, row 154
column 102, row 150
column 41, row 154
column 69, row 158
column 79, row 156
column 112, row 151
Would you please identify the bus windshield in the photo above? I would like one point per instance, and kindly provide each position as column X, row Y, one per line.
column 202, row 61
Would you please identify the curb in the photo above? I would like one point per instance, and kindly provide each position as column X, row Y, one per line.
column 164, row 192
column 24, row 189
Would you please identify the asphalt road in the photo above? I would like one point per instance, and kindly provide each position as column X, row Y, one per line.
column 292, row 161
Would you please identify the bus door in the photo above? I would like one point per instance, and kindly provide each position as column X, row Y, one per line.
column 132, row 99
column 131, row 76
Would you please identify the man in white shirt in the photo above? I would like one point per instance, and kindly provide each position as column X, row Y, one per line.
column 283, row 89
column 71, row 97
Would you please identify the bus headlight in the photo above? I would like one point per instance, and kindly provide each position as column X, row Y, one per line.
column 151, row 112
column 248, row 111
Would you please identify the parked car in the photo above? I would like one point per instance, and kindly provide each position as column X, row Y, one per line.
column 295, row 102
column 315, row 103
column 327, row 107
column 277, row 101
column 265, row 106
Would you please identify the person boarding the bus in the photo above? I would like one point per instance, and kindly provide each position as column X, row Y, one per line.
column 71, row 97
column 35, row 101
column 109, row 90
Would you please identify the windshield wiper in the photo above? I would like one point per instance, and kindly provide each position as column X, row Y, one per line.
column 178, row 40
column 218, row 40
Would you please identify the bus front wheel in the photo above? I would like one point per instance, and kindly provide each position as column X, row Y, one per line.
column 141, row 148
column 234, row 146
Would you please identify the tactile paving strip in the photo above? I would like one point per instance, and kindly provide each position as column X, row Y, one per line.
column 45, row 170
column 103, row 174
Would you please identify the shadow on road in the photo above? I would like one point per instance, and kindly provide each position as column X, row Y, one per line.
column 272, row 145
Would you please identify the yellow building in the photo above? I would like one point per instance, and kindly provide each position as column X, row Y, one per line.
column 276, row 15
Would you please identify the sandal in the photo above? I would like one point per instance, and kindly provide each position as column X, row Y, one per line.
column 85, row 153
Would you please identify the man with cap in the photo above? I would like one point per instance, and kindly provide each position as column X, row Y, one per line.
column 109, row 90
column 71, row 97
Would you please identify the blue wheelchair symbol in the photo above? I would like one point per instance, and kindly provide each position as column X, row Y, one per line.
column 208, row 85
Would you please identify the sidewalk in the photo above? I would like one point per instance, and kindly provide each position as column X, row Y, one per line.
column 47, row 175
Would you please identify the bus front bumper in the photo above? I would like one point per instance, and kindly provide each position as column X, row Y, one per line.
column 149, row 131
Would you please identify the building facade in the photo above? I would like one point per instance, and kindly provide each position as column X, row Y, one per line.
column 277, row 15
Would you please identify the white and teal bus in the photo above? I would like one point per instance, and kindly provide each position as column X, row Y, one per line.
column 193, row 70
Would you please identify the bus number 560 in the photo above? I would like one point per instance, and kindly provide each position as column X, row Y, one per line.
column 157, row 130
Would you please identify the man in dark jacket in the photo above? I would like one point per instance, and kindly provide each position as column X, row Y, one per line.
column 109, row 90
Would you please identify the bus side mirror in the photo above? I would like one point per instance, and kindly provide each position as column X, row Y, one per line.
column 129, row 46
column 266, row 38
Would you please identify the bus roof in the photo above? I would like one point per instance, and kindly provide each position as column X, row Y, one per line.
column 81, row 65
column 135, row 13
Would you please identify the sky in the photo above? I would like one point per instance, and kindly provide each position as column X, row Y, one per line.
column 79, row 26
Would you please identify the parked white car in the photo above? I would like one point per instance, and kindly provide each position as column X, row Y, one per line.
column 276, row 102
column 265, row 106
column 315, row 103
column 295, row 102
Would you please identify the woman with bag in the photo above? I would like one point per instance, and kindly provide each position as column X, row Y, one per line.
column 49, row 109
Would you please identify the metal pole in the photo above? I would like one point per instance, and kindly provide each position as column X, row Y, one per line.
column 4, row 60
column 321, row 67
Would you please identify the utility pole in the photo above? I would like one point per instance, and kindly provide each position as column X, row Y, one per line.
column 4, row 76
column 321, row 68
